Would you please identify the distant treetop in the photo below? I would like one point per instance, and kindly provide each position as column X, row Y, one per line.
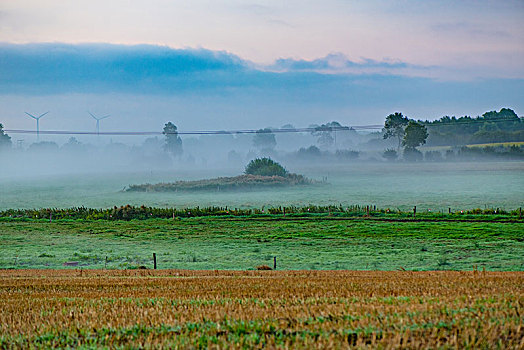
column 265, row 167
column 5, row 140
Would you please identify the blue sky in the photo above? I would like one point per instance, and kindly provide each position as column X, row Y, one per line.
column 229, row 64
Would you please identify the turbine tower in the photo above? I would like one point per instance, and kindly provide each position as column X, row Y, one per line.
column 98, row 119
column 37, row 124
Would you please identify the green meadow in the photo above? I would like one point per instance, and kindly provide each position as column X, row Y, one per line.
column 245, row 243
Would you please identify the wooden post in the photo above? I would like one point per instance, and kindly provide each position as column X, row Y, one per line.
column 105, row 266
column 414, row 211
column 449, row 210
column 520, row 213
column 154, row 260
column 50, row 216
column 274, row 263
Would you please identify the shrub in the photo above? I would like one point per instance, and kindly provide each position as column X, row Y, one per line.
column 346, row 154
column 433, row 156
column 412, row 155
column 311, row 151
column 390, row 154
column 265, row 167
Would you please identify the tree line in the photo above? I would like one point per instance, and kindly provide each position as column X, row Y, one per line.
column 502, row 126
column 408, row 135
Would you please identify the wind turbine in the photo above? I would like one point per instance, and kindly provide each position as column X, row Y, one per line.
column 98, row 119
column 37, row 124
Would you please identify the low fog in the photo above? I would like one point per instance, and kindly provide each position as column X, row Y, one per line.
column 351, row 167
column 218, row 155
column 52, row 155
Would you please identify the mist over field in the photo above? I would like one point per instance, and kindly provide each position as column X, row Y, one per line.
column 95, row 174
column 465, row 137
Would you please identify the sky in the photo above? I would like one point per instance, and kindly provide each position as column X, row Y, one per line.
column 249, row 64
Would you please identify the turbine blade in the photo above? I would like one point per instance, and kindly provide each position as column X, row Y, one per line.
column 32, row 116
column 41, row 115
column 104, row 117
column 91, row 114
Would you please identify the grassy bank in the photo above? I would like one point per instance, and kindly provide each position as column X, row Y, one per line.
column 241, row 182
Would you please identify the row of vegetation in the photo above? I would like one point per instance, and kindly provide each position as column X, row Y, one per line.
column 129, row 212
column 464, row 153
column 503, row 126
column 493, row 126
column 399, row 139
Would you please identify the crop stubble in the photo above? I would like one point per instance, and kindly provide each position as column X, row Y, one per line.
column 42, row 308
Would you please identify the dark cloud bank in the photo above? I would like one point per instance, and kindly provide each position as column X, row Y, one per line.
column 54, row 68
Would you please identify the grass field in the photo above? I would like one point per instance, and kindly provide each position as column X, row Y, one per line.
column 252, row 309
column 495, row 144
column 244, row 243
column 432, row 186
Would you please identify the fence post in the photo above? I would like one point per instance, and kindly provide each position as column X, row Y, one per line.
column 154, row 260
column 105, row 266
column 414, row 211
column 449, row 210
column 520, row 213
column 274, row 263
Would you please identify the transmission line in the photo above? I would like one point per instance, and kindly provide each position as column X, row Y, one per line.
column 250, row 131
column 208, row 132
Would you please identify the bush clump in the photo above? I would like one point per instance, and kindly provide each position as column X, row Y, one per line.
column 259, row 173
column 265, row 167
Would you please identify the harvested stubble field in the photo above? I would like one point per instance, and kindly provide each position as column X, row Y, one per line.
column 254, row 309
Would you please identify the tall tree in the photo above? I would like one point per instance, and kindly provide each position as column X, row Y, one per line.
column 5, row 140
column 173, row 142
column 394, row 126
column 415, row 135
column 264, row 139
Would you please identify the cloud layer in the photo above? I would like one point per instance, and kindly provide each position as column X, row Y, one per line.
column 56, row 68
column 221, row 90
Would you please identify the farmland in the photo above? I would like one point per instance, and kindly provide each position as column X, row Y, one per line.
column 397, row 185
column 255, row 309
column 346, row 276
column 300, row 243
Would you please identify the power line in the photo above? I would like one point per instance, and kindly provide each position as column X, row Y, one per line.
column 248, row 131
column 208, row 132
